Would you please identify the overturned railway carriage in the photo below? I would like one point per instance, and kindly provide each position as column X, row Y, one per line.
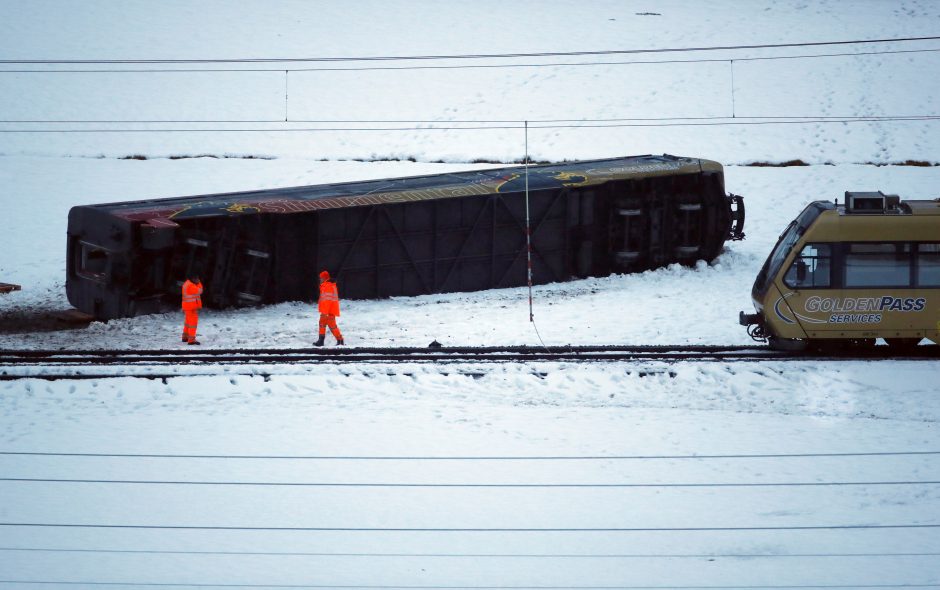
column 451, row 232
column 845, row 275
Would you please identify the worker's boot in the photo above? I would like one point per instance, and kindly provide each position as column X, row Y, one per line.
column 340, row 342
column 194, row 342
column 320, row 341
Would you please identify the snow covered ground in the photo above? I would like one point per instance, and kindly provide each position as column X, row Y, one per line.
column 511, row 418
column 399, row 462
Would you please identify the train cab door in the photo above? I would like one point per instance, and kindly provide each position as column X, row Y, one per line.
column 807, row 289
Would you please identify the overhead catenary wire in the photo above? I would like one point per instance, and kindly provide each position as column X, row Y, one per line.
column 403, row 529
column 366, row 484
column 459, row 587
column 476, row 124
column 736, row 122
column 833, row 555
column 465, row 66
column 492, row 122
column 474, row 55
column 796, row 118
column 580, row 122
column 608, row 457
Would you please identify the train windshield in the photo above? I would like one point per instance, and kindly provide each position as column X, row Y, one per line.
column 785, row 243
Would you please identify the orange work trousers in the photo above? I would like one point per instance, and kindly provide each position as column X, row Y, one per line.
column 190, row 321
column 329, row 320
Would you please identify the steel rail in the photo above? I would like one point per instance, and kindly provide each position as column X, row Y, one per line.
column 184, row 351
column 54, row 365
column 450, row 354
column 336, row 352
column 223, row 359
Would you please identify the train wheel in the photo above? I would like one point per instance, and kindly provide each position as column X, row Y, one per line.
column 902, row 344
column 841, row 345
column 787, row 344
column 825, row 346
column 859, row 344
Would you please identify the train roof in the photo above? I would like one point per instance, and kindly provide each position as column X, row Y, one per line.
column 414, row 188
column 903, row 208
column 923, row 207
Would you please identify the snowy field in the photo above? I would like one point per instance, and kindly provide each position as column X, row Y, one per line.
column 542, row 475
column 427, row 425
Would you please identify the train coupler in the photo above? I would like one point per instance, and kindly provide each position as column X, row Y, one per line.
column 754, row 325
column 747, row 319
column 736, row 231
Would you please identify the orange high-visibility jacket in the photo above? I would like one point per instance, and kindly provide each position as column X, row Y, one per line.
column 329, row 298
column 192, row 296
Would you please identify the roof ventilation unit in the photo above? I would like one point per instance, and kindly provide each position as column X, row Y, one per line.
column 876, row 202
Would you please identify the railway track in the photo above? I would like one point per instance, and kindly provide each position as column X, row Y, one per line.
column 383, row 354
column 85, row 364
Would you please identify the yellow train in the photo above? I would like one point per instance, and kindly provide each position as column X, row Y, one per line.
column 843, row 275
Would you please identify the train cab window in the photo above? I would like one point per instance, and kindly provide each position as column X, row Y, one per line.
column 811, row 268
column 878, row 265
column 92, row 262
column 928, row 265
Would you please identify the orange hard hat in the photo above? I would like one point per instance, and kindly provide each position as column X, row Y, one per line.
column 325, row 275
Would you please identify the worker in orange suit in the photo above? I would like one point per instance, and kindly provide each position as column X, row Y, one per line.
column 329, row 309
column 192, row 303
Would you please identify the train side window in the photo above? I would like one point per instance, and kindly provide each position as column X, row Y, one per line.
column 811, row 268
column 878, row 265
column 928, row 265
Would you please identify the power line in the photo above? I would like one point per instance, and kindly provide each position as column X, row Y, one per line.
column 798, row 118
column 464, row 66
column 471, row 55
column 735, row 122
column 471, row 529
column 473, row 457
column 433, row 587
column 467, row 485
column 476, row 555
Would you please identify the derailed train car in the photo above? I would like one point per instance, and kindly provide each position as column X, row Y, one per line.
column 461, row 231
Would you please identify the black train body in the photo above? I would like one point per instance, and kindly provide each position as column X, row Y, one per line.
column 461, row 231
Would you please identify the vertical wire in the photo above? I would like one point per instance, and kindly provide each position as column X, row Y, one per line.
column 732, row 88
column 285, row 95
column 528, row 231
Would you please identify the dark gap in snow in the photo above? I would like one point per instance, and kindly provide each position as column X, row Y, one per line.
column 517, row 161
column 30, row 321
column 375, row 158
column 670, row 374
column 403, row 158
column 786, row 164
column 798, row 162
column 196, row 156
column 917, row 163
